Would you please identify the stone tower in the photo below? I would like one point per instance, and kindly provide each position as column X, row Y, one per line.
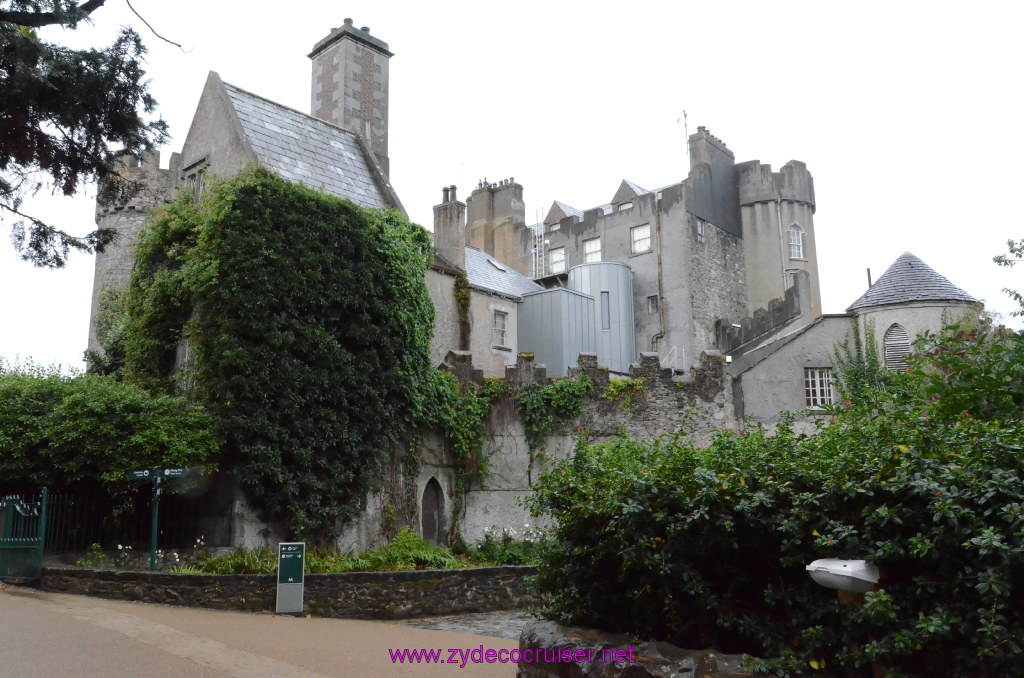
column 777, row 210
column 114, row 264
column 350, row 85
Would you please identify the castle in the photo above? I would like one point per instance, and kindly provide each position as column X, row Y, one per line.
column 710, row 283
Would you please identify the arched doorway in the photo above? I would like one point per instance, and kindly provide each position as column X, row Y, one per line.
column 432, row 513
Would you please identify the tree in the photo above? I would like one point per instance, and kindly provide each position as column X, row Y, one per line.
column 66, row 117
column 1016, row 252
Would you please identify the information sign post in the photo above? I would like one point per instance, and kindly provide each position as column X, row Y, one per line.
column 155, row 475
column 291, row 568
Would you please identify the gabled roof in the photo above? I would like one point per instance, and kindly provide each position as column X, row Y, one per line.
column 487, row 273
column 301, row 148
column 908, row 280
column 559, row 210
column 627, row 191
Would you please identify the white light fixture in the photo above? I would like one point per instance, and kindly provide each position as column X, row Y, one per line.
column 855, row 576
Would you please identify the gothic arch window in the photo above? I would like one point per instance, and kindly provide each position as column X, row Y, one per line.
column 796, row 242
column 432, row 513
column 897, row 348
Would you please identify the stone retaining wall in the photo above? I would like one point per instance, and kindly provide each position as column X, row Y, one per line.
column 353, row 595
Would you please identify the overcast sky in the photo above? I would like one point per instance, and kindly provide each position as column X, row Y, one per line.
column 909, row 116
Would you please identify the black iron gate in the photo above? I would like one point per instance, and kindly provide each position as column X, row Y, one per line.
column 22, row 526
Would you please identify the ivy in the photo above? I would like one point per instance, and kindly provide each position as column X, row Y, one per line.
column 627, row 392
column 462, row 298
column 302, row 322
column 542, row 407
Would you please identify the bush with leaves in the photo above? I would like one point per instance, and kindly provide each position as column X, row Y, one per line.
column 81, row 431
column 708, row 547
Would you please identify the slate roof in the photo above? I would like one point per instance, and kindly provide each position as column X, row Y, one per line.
column 485, row 272
column 304, row 149
column 636, row 189
column 569, row 211
column 908, row 280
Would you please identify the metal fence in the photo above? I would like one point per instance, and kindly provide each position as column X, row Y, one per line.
column 75, row 521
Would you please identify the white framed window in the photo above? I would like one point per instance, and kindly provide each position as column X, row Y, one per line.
column 556, row 260
column 796, row 242
column 652, row 304
column 641, row 238
column 554, row 227
column 700, row 231
column 500, row 328
column 591, row 250
column 897, row 348
column 625, row 206
column 818, row 386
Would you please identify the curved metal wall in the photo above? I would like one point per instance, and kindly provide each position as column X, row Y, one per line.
column 611, row 286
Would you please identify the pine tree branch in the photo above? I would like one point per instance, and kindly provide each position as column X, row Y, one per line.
column 39, row 19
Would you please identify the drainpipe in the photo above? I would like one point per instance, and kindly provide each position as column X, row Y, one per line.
column 782, row 246
column 661, row 285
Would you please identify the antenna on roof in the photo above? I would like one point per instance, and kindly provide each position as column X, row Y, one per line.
column 869, row 278
column 686, row 130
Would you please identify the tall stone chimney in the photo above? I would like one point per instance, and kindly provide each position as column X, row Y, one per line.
column 496, row 223
column 450, row 228
column 350, row 85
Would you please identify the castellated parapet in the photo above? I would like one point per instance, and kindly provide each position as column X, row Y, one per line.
column 114, row 263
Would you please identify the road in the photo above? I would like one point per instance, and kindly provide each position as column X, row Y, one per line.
column 48, row 635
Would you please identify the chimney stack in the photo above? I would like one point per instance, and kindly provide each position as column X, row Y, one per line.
column 350, row 85
column 450, row 228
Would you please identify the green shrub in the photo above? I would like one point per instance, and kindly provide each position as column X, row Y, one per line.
column 708, row 547
column 407, row 551
column 64, row 431
column 508, row 548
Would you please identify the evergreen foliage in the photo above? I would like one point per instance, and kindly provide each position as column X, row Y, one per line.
column 67, row 117
column 307, row 325
column 82, row 431
column 708, row 547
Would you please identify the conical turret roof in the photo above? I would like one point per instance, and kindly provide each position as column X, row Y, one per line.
column 908, row 280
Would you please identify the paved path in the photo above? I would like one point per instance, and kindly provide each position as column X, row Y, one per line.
column 47, row 635
column 495, row 624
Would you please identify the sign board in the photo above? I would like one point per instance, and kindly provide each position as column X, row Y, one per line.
column 291, row 568
column 154, row 473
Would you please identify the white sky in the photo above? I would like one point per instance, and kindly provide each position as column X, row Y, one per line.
column 909, row 116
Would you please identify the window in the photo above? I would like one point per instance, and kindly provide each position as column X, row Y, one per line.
column 554, row 227
column 818, row 386
column 606, row 310
column 641, row 237
column 625, row 206
column 897, row 348
column 500, row 325
column 556, row 260
column 592, row 250
column 796, row 242
column 700, row 231
column 652, row 304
